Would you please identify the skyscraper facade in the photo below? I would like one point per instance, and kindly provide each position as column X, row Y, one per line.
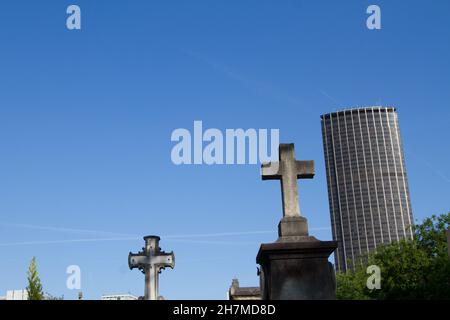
column 367, row 183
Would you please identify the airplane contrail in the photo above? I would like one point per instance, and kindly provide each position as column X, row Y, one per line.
column 234, row 233
column 61, row 229
column 129, row 237
column 24, row 243
column 259, row 87
column 64, row 241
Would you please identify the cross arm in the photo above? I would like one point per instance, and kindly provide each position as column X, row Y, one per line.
column 305, row 169
column 136, row 260
column 165, row 260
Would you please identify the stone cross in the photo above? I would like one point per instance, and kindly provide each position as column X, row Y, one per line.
column 288, row 170
column 150, row 261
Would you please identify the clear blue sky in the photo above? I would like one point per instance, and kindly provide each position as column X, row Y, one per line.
column 86, row 118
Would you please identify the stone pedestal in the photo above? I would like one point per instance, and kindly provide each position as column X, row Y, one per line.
column 296, row 266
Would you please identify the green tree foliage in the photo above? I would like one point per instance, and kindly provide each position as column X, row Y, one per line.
column 410, row 269
column 34, row 288
column 352, row 285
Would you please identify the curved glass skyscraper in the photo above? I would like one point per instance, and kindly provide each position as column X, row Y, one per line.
column 367, row 183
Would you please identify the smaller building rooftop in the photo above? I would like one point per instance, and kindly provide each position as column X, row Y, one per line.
column 243, row 293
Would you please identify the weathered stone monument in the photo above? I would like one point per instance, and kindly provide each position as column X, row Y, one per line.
column 151, row 260
column 296, row 266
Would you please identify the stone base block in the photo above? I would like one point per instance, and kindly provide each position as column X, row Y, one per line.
column 297, row 270
column 293, row 226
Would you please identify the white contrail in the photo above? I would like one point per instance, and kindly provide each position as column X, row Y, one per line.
column 24, row 243
column 180, row 240
column 337, row 104
column 71, row 230
column 435, row 170
column 239, row 243
column 173, row 238
column 265, row 89
column 62, row 229
column 224, row 234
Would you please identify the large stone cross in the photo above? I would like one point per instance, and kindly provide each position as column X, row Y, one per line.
column 288, row 170
column 150, row 261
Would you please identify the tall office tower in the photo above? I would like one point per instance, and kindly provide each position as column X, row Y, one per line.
column 367, row 184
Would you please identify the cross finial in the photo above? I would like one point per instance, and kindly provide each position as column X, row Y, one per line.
column 150, row 261
column 288, row 170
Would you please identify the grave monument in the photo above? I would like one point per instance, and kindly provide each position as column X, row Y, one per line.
column 296, row 266
column 151, row 260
